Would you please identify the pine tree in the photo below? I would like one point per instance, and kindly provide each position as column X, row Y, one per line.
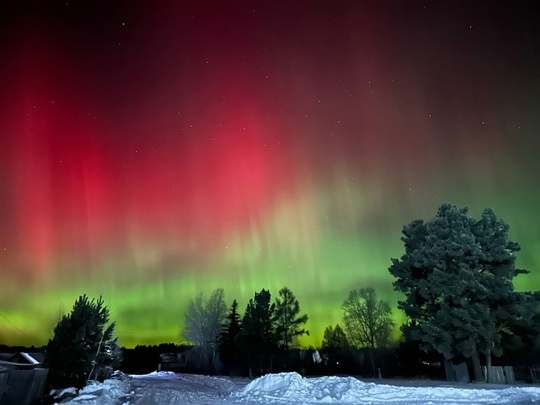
column 83, row 342
column 287, row 319
column 456, row 275
column 229, row 340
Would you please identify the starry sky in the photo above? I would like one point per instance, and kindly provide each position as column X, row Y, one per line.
column 153, row 150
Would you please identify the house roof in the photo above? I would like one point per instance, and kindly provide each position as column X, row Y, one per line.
column 23, row 357
column 31, row 359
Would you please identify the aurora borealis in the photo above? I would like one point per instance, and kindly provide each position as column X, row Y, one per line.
column 152, row 150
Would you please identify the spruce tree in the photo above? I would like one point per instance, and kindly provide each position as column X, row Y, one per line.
column 258, row 335
column 229, row 340
column 456, row 275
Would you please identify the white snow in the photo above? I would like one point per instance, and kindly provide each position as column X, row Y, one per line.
column 291, row 388
column 108, row 392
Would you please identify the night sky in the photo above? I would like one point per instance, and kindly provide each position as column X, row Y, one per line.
column 153, row 150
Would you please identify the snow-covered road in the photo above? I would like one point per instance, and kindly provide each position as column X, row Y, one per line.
column 169, row 388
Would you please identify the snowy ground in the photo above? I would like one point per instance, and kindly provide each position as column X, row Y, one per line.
column 166, row 388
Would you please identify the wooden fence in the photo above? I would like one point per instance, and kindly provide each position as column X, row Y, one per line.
column 21, row 386
column 500, row 375
column 534, row 373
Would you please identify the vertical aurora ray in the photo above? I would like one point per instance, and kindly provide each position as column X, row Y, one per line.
column 182, row 149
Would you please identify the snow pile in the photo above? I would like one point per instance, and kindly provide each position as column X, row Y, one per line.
column 331, row 389
column 292, row 388
column 282, row 385
column 108, row 392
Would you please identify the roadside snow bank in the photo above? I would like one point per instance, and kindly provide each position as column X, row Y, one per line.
column 283, row 385
column 156, row 374
column 292, row 388
column 106, row 393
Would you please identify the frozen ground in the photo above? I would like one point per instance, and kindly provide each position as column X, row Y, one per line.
column 167, row 388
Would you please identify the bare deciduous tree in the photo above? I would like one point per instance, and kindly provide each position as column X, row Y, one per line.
column 203, row 321
column 368, row 321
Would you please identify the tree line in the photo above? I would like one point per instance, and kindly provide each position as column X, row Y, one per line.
column 455, row 276
column 251, row 340
column 268, row 329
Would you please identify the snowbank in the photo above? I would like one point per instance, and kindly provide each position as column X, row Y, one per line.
column 283, row 385
column 108, row 392
column 292, row 388
column 157, row 374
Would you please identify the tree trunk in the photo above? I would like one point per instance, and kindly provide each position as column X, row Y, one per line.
column 372, row 362
column 488, row 366
column 477, row 367
column 213, row 362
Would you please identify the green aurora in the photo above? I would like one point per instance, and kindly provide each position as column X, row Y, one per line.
column 183, row 149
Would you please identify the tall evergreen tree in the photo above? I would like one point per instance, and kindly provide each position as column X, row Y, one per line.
column 258, row 327
column 229, row 340
column 457, row 277
column 287, row 319
column 83, row 342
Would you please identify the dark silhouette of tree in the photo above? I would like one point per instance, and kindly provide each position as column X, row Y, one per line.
column 334, row 338
column 83, row 342
column 368, row 321
column 258, row 336
column 287, row 319
column 230, row 347
column 203, row 321
column 336, row 351
column 524, row 336
column 457, row 277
